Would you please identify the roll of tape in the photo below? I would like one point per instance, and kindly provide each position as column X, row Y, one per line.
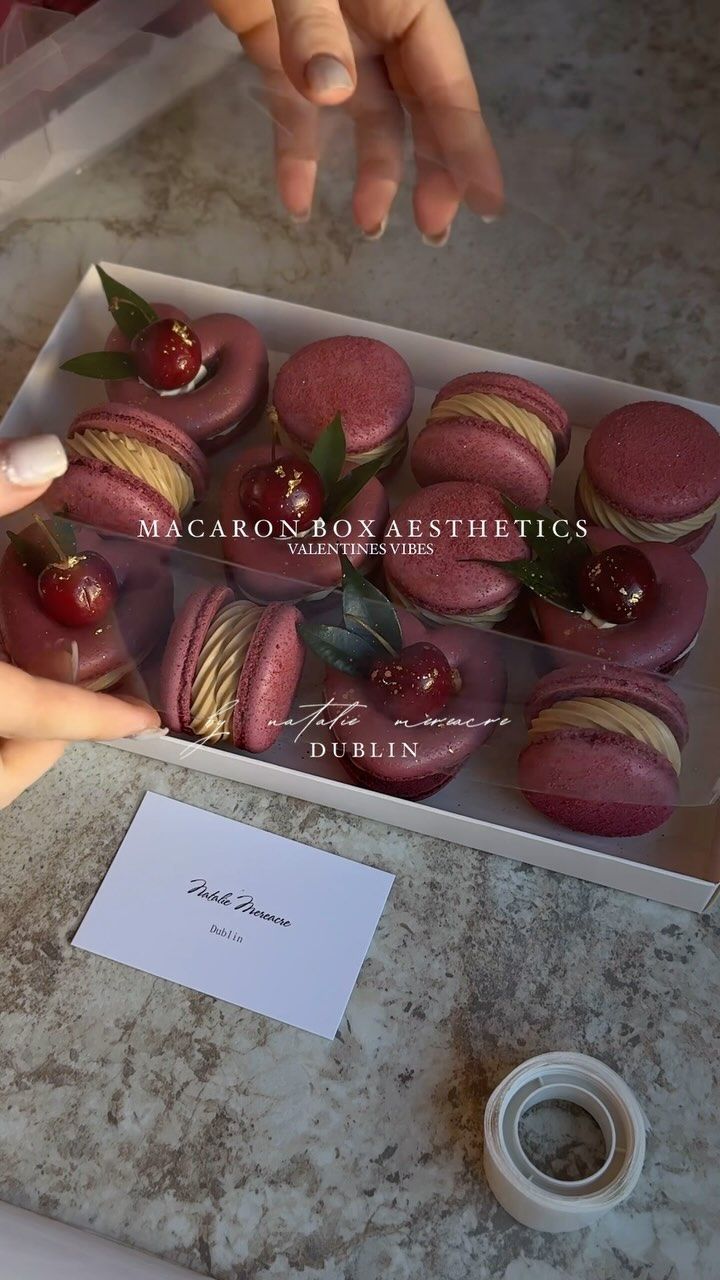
column 534, row 1198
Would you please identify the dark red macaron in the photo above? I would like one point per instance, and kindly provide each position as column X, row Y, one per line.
column 364, row 380
column 96, row 656
column 604, row 751
column 231, row 669
column 231, row 397
column 656, row 642
column 497, row 429
column 415, row 760
column 130, row 467
column 652, row 473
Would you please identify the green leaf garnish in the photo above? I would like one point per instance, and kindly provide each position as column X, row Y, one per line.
column 345, row 650
column 546, row 580
column 367, row 612
column 108, row 365
column 38, row 545
column 130, row 312
column 548, row 545
column 350, row 485
column 328, row 454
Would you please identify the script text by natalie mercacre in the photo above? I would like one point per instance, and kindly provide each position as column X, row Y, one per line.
column 236, row 901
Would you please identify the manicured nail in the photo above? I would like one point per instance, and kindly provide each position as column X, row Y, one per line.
column 300, row 217
column 149, row 733
column 33, row 461
column 437, row 242
column 325, row 74
column 377, row 232
column 490, row 217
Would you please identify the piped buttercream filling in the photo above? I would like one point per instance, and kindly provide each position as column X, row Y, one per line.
column 603, row 513
column 486, row 619
column 200, row 376
column 473, row 404
column 222, row 656
column 162, row 473
column 611, row 714
column 394, row 444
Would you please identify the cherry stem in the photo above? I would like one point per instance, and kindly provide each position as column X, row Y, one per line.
column 62, row 555
column 361, row 621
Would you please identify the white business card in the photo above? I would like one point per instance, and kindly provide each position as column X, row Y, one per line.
column 263, row 922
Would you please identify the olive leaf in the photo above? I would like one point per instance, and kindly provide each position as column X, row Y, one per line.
column 342, row 649
column 38, row 545
column 350, row 486
column 107, row 365
column 547, row 580
column 328, row 454
column 130, row 312
column 367, row 612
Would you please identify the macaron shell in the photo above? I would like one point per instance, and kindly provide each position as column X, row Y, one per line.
column 486, row 452
column 151, row 429
column 521, row 392
column 269, row 678
column 364, row 380
column 140, row 619
column 464, row 574
column 183, row 651
column 650, row 644
column 655, row 461
column 690, row 542
column 600, row 680
column 224, row 406
column 603, row 784
column 97, row 493
column 267, row 568
column 439, row 750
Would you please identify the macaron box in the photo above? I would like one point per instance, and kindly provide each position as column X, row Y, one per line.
column 490, row 708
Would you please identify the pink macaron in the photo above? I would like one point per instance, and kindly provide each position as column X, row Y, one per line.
column 657, row 642
column 130, row 470
column 652, row 474
column 231, row 669
column 604, row 748
column 497, row 429
column 445, row 547
column 363, row 380
column 271, row 568
column 415, row 761
column 96, row 656
column 231, row 396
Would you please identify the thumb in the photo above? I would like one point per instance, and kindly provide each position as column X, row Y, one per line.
column 315, row 49
column 27, row 466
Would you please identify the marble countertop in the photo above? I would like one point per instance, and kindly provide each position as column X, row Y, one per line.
column 244, row 1149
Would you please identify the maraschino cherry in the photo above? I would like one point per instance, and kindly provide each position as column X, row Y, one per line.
column 167, row 354
column 414, row 684
column 618, row 585
column 79, row 590
column 288, row 490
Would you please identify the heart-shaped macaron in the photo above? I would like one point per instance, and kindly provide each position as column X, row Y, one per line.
column 97, row 656
column 129, row 469
column 230, row 398
column 414, row 760
column 604, row 750
column 230, row 669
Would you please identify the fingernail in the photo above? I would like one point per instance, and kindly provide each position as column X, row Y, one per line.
column 300, row 217
column 377, row 232
column 437, row 242
column 325, row 74
column 149, row 733
column 490, row 217
column 33, row 461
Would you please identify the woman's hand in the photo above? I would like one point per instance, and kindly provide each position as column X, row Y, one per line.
column 374, row 57
column 39, row 717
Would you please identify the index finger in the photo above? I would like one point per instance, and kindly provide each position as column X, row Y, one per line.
column 434, row 68
column 33, row 707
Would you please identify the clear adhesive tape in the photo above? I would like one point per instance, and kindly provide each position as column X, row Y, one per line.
column 534, row 1198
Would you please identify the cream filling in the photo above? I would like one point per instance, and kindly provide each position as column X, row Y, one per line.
column 602, row 513
column 487, row 619
column 497, row 409
column 162, row 474
column 200, row 376
column 611, row 714
column 214, row 690
column 388, row 449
